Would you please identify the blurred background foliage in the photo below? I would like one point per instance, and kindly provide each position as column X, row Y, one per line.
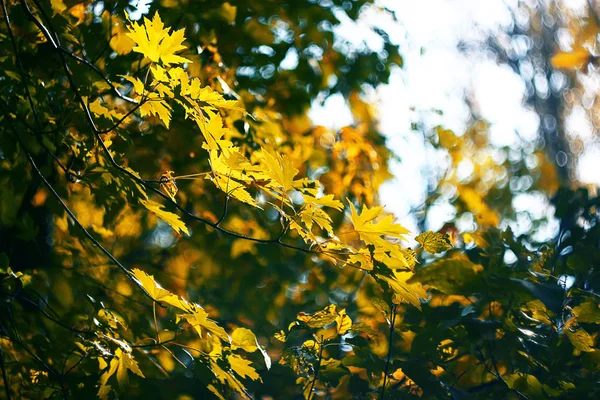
column 512, row 308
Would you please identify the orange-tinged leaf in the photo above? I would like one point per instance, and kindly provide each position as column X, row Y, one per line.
column 577, row 59
column 167, row 184
column 344, row 323
column 120, row 42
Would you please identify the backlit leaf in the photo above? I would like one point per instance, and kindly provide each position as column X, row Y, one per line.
column 172, row 219
column 434, row 242
column 154, row 41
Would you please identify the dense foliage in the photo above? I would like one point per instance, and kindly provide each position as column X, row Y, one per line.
column 174, row 226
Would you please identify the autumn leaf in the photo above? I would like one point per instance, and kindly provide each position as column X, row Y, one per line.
column 154, row 41
column 434, row 242
column 121, row 43
column 449, row 276
column 243, row 367
column 577, row 59
column 371, row 232
column 172, row 219
column 319, row 319
column 245, row 339
column 121, row 363
column 158, row 293
column 279, row 169
column 199, row 320
column 167, row 184
column 588, row 312
column 581, row 340
column 411, row 293
column 344, row 322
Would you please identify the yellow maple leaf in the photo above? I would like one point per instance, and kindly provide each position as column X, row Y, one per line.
column 158, row 293
column 279, row 169
column 153, row 41
column 577, row 59
column 242, row 367
column 155, row 105
column 405, row 292
column 172, row 219
column 244, row 338
column 371, row 232
column 121, row 363
column 199, row 320
column 120, row 42
column 325, row 201
column 311, row 215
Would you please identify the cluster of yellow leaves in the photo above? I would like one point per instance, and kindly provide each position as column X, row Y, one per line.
column 197, row 318
column 258, row 177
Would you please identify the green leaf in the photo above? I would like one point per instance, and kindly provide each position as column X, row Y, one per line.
column 449, row 276
column 526, row 384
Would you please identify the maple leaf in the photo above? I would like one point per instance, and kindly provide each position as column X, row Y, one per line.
column 369, row 231
column 155, row 105
column 325, row 201
column 158, row 293
column 434, row 242
column 153, row 41
column 242, row 367
column 120, row 363
column 279, row 169
column 199, row 321
column 319, row 319
column 120, row 42
column 311, row 215
column 228, row 379
column 244, row 338
column 172, row 219
column 405, row 292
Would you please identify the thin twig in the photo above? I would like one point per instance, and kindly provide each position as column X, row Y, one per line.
column 73, row 216
column 389, row 354
column 317, row 369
